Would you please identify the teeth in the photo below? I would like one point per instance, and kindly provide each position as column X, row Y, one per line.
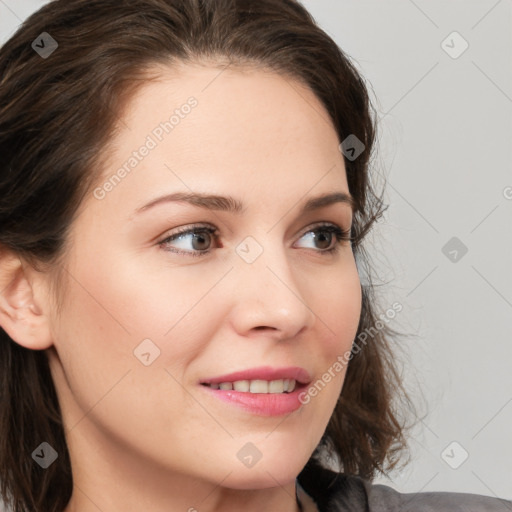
column 241, row 385
column 258, row 386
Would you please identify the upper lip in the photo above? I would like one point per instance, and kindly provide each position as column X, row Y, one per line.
column 263, row 373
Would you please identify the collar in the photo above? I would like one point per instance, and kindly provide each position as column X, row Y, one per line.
column 319, row 489
column 305, row 501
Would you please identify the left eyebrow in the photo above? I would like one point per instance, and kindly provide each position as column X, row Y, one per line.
column 232, row 205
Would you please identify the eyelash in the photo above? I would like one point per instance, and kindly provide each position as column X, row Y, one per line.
column 341, row 236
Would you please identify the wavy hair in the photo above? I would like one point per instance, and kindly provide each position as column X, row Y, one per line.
column 58, row 113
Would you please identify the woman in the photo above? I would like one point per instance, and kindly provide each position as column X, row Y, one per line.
column 141, row 369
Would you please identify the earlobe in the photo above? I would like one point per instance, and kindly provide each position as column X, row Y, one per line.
column 21, row 317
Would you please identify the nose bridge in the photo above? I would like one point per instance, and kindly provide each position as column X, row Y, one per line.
column 268, row 292
column 264, row 257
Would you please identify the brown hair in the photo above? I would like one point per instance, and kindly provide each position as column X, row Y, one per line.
column 57, row 116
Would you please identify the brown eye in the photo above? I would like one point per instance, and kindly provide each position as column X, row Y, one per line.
column 323, row 235
column 197, row 241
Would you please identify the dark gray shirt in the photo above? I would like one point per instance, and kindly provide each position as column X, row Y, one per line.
column 321, row 490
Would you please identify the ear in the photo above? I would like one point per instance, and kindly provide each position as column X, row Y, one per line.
column 22, row 316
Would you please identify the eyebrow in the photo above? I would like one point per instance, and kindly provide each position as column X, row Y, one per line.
column 232, row 205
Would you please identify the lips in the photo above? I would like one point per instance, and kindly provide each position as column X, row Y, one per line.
column 263, row 373
column 258, row 403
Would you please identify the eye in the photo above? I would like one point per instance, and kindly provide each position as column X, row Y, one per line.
column 199, row 236
column 340, row 235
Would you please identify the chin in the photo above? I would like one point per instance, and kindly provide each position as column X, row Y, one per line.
column 277, row 470
column 261, row 480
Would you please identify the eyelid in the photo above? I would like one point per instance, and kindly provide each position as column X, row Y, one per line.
column 320, row 224
column 189, row 227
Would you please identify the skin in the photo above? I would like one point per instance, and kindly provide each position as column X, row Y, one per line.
column 149, row 437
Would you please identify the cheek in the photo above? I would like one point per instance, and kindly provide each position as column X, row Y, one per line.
column 339, row 308
column 93, row 338
column 125, row 314
column 339, row 313
column 336, row 302
column 99, row 378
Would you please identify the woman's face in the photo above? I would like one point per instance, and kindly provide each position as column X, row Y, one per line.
column 143, row 324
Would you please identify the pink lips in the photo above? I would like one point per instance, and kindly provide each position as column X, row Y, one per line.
column 262, row 404
column 263, row 373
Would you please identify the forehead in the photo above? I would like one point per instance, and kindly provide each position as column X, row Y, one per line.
column 208, row 127
column 250, row 108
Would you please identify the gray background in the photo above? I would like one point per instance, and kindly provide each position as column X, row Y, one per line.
column 445, row 138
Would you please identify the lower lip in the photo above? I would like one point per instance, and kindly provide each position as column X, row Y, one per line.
column 262, row 404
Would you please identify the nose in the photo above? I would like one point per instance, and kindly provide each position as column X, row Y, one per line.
column 270, row 296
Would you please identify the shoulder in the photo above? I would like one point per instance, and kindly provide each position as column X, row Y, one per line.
column 337, row 492
column 382, row 498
